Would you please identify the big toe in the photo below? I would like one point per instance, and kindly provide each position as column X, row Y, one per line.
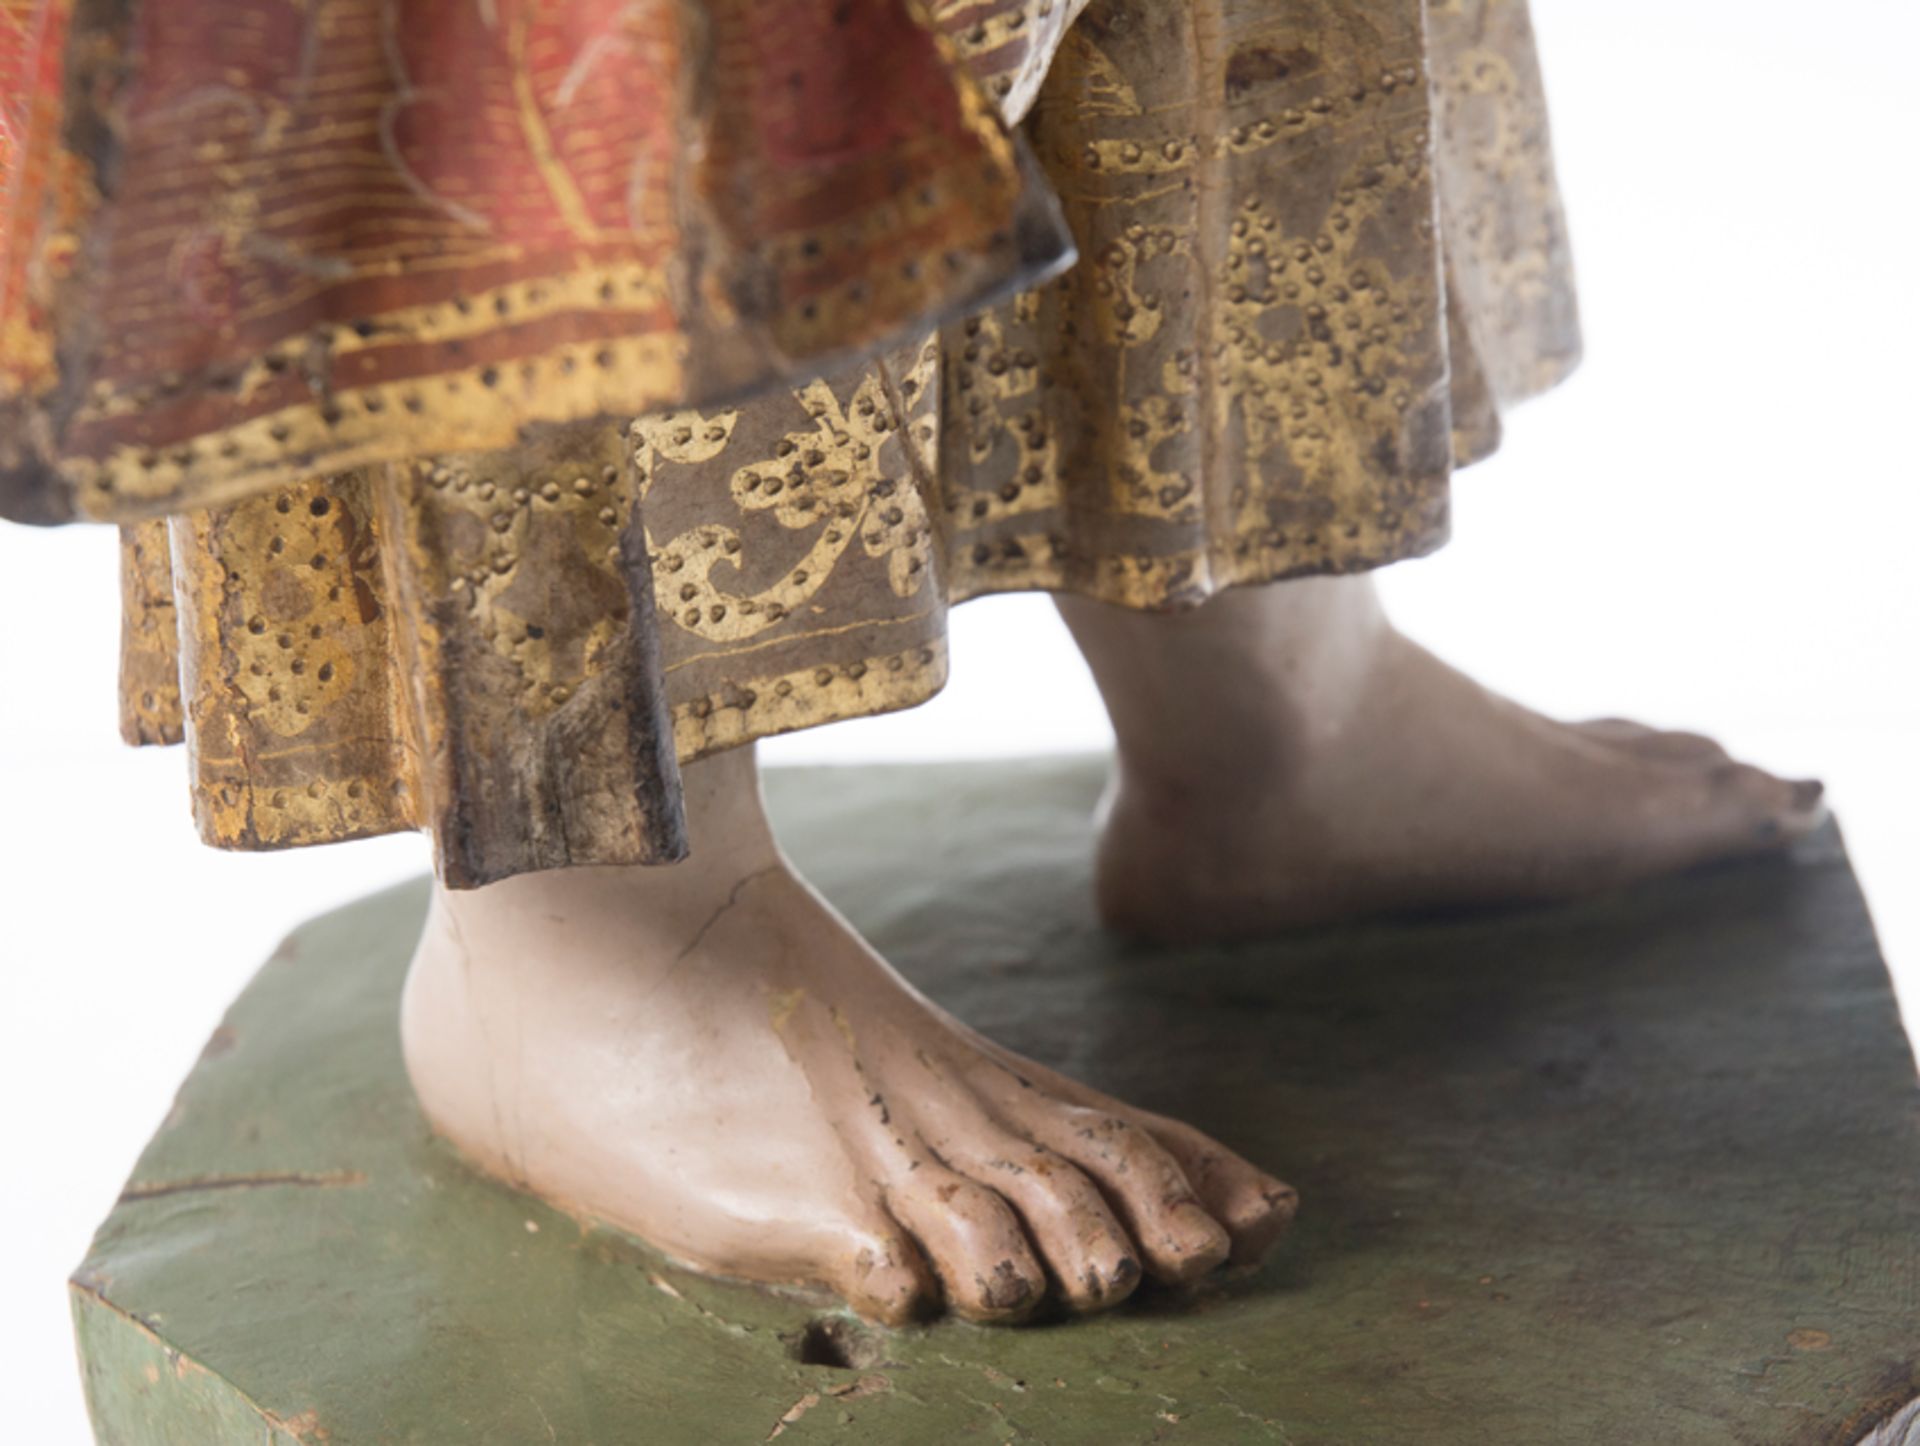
column 1780, row 809
column 1743, row 810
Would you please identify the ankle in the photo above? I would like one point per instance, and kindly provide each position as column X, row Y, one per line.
column 726, row 811
column 1176, row 787
column 1243, row 692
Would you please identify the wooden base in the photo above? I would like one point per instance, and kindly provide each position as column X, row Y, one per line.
column 1640, row 1170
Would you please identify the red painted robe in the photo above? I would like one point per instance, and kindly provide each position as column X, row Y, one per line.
column 249, row 241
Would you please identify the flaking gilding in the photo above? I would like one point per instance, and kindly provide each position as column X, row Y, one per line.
column 1318, row 258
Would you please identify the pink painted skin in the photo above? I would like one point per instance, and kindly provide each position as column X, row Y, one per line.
column 708, row 1056
column 1286, row 758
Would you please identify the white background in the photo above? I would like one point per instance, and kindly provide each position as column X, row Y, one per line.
column 1715, row 524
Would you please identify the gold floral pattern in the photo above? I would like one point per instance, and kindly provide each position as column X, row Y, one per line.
column 1321, row 248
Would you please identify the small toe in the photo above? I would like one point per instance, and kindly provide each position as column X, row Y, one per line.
column 1759, row 811
column 1179, row 1241
column 1094, row 1263
column 1807, row 804
column 974, row 1243
column 884, row 1278
column 1254, row 1208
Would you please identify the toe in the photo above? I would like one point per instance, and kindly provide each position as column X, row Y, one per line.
column 1680, row 746
column 1252, row 1206
column 1613, row 730
column 1255, row 1208
column 1727, row 812
column 1153, row 1198
column 1093, row 1262
column 1656, row 744
column 1759, row 811
column 974, row 1243
column 884, row 1277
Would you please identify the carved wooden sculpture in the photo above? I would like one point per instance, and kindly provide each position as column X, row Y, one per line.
column 345, row 311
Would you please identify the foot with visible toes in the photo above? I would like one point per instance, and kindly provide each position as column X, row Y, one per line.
column 1287, row 758
column 709, row 1057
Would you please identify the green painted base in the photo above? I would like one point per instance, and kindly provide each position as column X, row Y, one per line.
column 1642, row 1170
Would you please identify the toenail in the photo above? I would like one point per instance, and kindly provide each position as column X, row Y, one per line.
column 1010, row 1289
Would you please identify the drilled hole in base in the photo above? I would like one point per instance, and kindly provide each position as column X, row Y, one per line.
column 837, row 1342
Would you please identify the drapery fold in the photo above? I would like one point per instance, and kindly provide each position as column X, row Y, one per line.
column 1322, row 250
column 248, row 242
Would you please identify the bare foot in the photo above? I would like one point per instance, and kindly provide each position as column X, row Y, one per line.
column 1287, row 758
column 709, row 1057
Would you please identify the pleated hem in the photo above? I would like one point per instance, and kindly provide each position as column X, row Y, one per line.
column 1316, row 267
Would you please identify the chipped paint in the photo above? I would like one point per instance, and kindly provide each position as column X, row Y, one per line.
column 1685, row 1211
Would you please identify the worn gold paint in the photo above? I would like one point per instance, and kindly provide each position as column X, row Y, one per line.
column 1021, row 35
column 808, row 697
column 284, row 648
column 150, row 709
column 828, row 481
column 462, row 408
column 781, row 1005
column 1319, row 256
column 636, row 288
column 527, row 656
column 207, row 189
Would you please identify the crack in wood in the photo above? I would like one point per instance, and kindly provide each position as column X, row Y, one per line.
column 154, row 1190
